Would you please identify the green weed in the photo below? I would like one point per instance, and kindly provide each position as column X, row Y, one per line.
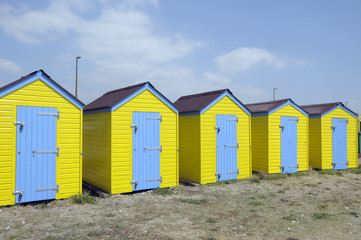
column 120, row 227
column 162, row 191
column 255, row 180
column 255, row 203
column 83, row 199
column 323, row 206
column 211, row 220
column 94, row 234
column 194, row 201
column 326, row 172
column 321, row 215
column 291, row 217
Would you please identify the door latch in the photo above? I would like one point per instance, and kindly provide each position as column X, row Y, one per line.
column 20, row 123
column 19, row 192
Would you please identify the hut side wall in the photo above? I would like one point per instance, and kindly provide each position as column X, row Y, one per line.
column 97, row 150
column 189, row 148
column 260, row 143
column 315, row 143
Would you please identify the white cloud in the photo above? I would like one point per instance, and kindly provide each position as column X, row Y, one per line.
column 37, row 26
column 121, row 45
column 9, row 67
column 243, row 59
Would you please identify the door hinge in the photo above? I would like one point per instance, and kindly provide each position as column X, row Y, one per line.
column 293, row 166
column 283, row 127
column 46, row 152
column 57, row 114
column 293, row 119
column 282, row 168
column 217, row 128
column 237, row 145
column 346, row 121
column 156, row 179
column 232, row 119
column 218, row 174
column 151, row 149
column 156, row 118
column 333, row 128
column 234, row 172
column 49, row 189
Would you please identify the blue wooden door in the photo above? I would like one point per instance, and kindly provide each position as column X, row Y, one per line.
column 339, row 143
column 289, row 144
column 226, row 132
column 146, row 150
column 36, row 153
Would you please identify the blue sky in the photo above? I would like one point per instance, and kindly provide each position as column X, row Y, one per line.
column 309, row 50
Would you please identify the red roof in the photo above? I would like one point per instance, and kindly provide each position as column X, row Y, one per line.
column 196, row 102
column 265, row 106
column 111, row 98
column 320, row 108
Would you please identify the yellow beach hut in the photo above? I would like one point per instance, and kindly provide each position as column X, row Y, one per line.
column 41, row 141
column 279, row 137
column 215, row 137
column 131, row 140
column 333, row 136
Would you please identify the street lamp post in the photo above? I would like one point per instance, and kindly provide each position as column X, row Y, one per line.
column 76, row 76
column 274, row 94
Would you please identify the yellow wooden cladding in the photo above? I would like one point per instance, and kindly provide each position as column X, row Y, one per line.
column 108, row 144
column 321, row 157
column 198, row 143
column 259, row 148
column 190, row 148
column 275, row 139
column 266, row 140
column 96, row 150
column 69, row 137
column 315, row 143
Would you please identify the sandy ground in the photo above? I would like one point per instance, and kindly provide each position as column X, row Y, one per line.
column 311, row 205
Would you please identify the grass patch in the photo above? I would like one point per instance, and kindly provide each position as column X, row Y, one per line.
column 42, row 205
column 94, row 234
column 162, row 191
column 323, row 206
column 355, row 171
column 276, row 176
column 255, row 180
column 311, row 185
column 326, row 172
column 109, row 215
column 299, row 174
column 211, row 220
column 194, row 201
column 291, row 217
column 120, row 227
column 85, row 198
column 255, row 203
column 321, row 215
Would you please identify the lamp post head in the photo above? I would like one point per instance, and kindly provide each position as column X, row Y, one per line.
column 78, row 57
